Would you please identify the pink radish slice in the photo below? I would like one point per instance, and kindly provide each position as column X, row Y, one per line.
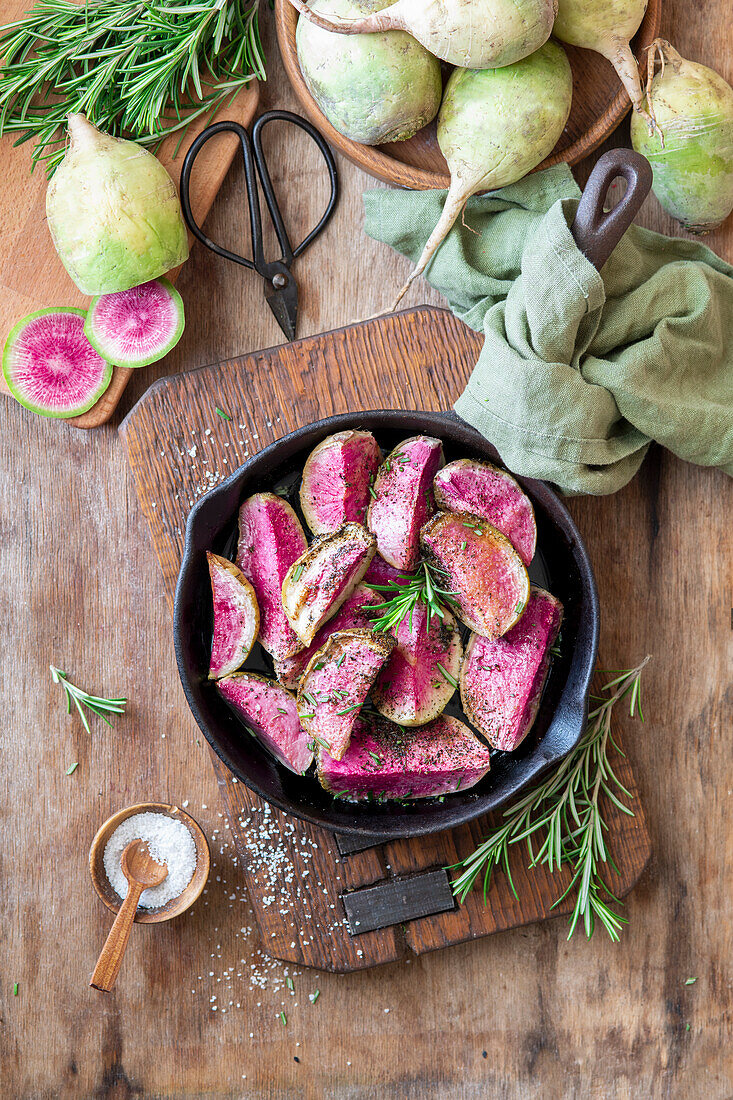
column 468, row 485
column 236, row 616
column 269, row 713
column 135, row 327
column 270, row 540
column 385, row 761
column 50, row 366
column 502, row 679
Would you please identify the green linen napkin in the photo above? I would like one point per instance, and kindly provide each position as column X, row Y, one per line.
column 580, row 370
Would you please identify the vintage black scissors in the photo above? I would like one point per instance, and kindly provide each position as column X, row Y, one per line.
column 281, row 290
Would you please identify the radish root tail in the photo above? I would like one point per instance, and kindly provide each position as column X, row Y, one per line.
column 370, row 23
column 624, row 62
column 454, row 203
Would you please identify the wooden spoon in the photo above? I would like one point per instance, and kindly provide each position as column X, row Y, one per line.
column 141, row 872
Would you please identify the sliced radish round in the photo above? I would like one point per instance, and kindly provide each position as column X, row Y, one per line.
column 50, row 366
column 135, row 327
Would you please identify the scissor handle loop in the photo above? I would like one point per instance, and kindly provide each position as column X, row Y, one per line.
column 254, row 202
column 254, row 162
column 272, row 205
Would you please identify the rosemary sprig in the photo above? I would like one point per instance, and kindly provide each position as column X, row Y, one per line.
column 100, row 707
column 143, row 68
column 563, row 814
column 401, row 599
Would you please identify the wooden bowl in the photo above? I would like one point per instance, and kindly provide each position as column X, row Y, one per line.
column 175, row 906
column 599, row 104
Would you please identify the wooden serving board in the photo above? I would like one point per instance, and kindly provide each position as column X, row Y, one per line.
column 317, row 899
column 599, row 104
column 31, row 274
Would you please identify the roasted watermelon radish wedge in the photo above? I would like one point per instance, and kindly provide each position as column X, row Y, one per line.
column 135, row 327
column 350, row 616
column 482, row 570
column 403, row 499
column 236, row 616
column 502, row 680
column 317, row 584
column 384, row 761
column 271, row 538
column 269, row 712
column 421, row 675
column 336, row 683
column 490, row 493
column 337, row 476
column 50, row 366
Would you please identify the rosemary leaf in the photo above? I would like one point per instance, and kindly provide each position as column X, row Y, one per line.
column 424, row 586
column 98, row 706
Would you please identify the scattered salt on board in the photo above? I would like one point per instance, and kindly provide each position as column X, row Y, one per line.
column 169, row 842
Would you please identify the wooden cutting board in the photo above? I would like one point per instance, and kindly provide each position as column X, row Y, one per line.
column 317, row 899
column 31, row 274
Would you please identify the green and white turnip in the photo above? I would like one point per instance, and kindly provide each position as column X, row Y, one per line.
column 113, row 212
column 372, row 88
column 608, row 29
column 473, row 34
column 691, row 153
column 495, row 126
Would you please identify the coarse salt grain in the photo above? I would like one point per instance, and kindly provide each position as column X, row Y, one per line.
column 169, row 841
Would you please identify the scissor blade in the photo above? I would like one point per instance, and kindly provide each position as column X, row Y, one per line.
column 284, row 304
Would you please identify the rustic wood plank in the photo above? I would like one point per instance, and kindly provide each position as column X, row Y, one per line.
column 80, row 587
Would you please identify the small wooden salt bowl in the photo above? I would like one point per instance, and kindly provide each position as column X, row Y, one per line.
column 175, row 906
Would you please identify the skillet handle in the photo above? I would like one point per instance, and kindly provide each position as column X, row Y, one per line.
column 595, row 231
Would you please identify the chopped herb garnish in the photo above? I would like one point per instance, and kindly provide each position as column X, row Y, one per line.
column 311, row 715
column 283, row 1019
column 375, row 758
column 463, row 545
column 222, row 414
column 319, row 741
column 447, row 676
column 298, row 571
column 15, row 989
column 289, row 984
column 690, row 981
column 313, row 997
column 72, row 768
column 372, row 493
column 348, row 710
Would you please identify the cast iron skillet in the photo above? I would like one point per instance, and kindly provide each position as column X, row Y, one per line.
column 561, row 565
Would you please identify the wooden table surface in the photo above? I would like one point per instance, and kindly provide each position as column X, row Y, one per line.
column 195, row 1013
